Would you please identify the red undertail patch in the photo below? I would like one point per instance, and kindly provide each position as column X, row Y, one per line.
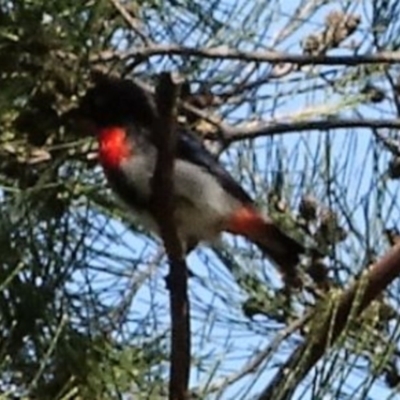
column 113, row 147
column 246, row 221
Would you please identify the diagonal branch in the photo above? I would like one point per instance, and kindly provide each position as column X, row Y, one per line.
column 349, row 305
column 162, row 206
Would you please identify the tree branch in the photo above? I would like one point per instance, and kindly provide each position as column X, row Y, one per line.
column 349, row 305
column 230, row 134
column 269, row 56
column 167, row 94
column 233, row 134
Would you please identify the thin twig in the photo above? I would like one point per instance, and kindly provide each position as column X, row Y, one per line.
column 349, row 305
column 120, row 312
column 254, row 130
column 257, row 361
column 167, row 94
column 269, row 56
column 207, row 116
column 132, row 22
column 391, row 144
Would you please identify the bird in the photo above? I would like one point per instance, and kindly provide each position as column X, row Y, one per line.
column 207, row 200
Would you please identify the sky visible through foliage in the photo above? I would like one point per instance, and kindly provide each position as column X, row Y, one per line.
column 225, row 341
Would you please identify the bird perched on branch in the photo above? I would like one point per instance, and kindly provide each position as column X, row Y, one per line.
column 207, row 200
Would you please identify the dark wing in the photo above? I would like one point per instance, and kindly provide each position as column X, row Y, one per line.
column 190, row 148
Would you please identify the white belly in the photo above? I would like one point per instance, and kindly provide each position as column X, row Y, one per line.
column 201, row 204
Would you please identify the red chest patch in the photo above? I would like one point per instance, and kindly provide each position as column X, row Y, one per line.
column 113, row 147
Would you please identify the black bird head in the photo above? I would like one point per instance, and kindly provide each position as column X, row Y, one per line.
column 114, row 101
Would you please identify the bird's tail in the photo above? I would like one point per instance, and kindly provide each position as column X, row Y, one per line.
column 280, row 248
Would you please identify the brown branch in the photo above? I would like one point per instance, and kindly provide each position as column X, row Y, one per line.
column 229, row 134
column 167, row 94
column 349, row 305
column 232, row 134
column 269, row 56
